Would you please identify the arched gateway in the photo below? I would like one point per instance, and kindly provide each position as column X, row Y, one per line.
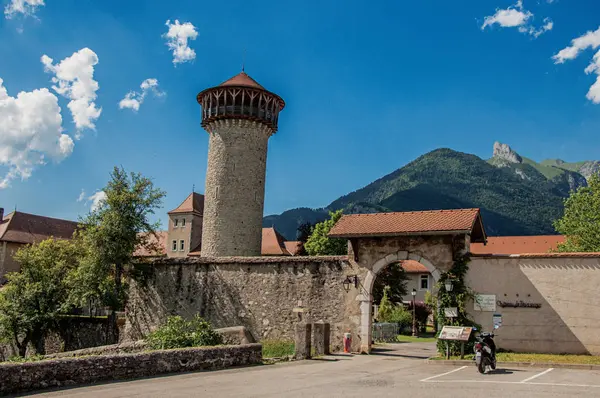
column 433, row 238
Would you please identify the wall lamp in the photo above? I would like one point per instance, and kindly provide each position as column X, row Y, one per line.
column 350, row 279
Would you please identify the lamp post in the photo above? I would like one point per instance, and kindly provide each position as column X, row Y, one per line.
column 414, row 323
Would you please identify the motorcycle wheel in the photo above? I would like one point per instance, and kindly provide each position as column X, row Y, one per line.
column 482, row 365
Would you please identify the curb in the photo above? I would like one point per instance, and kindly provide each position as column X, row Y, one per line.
column 576, row 366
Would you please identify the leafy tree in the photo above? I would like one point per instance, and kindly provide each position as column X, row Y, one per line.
column 431, row 302
column 581, row 220
column 319, row 244
column 386, row 308
column 34, row 298
column 394, row 277
column 111, row 234
column 181, row 333
column 304, row 231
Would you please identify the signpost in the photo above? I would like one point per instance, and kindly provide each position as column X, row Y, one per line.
column 456, row 333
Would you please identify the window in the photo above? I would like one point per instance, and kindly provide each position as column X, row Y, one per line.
column 182, row 222
column 424, row 282
column 174, row 247
column 181, row 245
column 175, row 221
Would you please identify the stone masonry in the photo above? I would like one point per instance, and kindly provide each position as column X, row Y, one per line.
column 259, row 293
column 235, row 188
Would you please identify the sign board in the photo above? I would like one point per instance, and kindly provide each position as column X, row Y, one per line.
column 485, row 302
column 460, row 333
column 451, row 312
column 497, row 318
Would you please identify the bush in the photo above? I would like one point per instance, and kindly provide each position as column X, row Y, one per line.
column 401, row 316
column 181, row 333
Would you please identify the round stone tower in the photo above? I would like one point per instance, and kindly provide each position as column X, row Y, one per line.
column 239, row 116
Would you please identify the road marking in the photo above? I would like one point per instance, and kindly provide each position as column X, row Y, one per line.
column 537, row 375
column 516, row 382
column 444, row 374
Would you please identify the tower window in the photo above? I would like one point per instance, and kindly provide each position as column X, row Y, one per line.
column 182, row 222
column 424, row 282
column 174, row 247
column 181, row 245
column 175, row 222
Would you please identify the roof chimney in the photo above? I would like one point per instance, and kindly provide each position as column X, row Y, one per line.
column 1, row 214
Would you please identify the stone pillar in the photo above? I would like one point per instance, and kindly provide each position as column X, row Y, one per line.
column 303, row 346
column 365, row 326
column 321, row 336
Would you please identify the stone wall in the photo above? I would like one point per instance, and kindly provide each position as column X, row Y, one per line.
column 71, row 371
column 566, row 287
column 75, row 333
column 259, row 293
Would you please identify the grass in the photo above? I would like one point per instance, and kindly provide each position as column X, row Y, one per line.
column 277, row 348
column 539, row 358
column 425, row 338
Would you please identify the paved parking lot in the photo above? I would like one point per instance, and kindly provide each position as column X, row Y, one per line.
column 394, row 370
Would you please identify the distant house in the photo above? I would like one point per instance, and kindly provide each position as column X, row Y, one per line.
column 18, row 229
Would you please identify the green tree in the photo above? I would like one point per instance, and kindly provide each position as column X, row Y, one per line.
column 581, row 220
column 34, row 299
column 304, row 231
column 111, row 234
column 319, row 244
column 394, row 277
column 386, row 307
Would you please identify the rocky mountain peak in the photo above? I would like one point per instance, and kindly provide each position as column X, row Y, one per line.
column 503, row 151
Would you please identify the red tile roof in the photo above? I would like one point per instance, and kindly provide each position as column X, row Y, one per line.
column 518, row 244
column 414, row 267
column 410, row 223
column 294, row 247
column 194, row 203
column 159, row 241
column 273, row 243
column 242, row 79
column 27, row 228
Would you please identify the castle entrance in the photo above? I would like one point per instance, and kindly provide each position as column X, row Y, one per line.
column 433, row 239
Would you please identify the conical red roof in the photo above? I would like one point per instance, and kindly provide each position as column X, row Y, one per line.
column 242, row 79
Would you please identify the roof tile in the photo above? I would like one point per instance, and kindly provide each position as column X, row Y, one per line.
column 413, row 267
column 518, row 244
column 194, row 203
column 30, row 228
column 242, row 79
column 405, row 223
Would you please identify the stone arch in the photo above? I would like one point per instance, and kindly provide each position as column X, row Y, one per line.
column 366, row 298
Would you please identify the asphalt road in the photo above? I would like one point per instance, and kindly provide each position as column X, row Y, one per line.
column 396, row 370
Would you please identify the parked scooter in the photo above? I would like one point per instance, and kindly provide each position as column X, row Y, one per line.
column 485, row 352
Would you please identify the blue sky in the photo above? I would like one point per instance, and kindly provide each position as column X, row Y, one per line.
column 369, row 86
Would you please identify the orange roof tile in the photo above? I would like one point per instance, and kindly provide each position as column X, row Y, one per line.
column 294, row 247
column 413, row 267
column 159, row 240
column 518, row 244
column 194, row 203
column 273, row 243
column 410, row 223
column 242, row 79
column 22, row 227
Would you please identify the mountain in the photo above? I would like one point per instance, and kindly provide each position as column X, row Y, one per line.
column 516, row 195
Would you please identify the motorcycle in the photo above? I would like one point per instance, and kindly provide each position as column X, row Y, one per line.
column 485, row 352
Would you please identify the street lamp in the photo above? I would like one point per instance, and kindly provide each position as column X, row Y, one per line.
column 414, row 325
column 448, row 285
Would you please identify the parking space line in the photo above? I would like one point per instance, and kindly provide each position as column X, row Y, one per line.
column 444, row 374
column 516, row 382
column 537, row 375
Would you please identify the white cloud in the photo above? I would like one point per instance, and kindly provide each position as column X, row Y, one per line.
column 588, row 40
column 97, row 199
column 25, row 7
column 81, row 196
column 517, row 16
column 134, row 99
column 177, row 40
column 31, row 130
column 74, row 79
